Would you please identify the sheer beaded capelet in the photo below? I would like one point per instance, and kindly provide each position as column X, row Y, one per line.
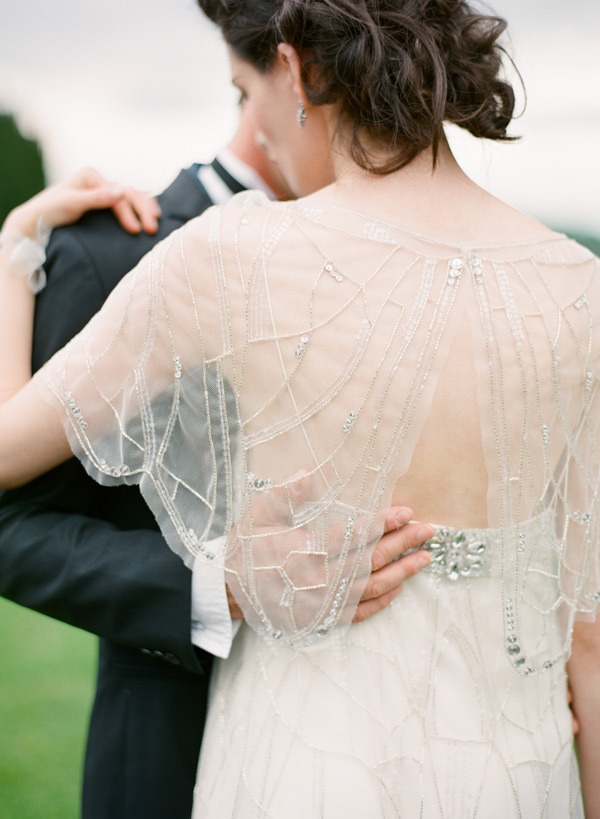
column 267, row 374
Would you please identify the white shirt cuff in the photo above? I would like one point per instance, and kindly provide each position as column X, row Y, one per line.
column 212, row 627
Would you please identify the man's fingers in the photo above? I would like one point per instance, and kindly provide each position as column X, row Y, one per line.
column 393, row 574
column 393, row 544
column 234, row 609
column 367, row 608
column 396, row 517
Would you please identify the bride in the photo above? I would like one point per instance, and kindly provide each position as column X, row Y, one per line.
column 398, row 334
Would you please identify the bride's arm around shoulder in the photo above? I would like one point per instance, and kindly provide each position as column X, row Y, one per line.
column 32, row 439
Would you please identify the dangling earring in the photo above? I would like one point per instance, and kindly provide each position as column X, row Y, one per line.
column 301, row 115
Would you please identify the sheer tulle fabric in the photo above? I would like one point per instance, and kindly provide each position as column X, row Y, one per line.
column 266, row 374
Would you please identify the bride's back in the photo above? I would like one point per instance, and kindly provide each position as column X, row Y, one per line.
column 447, row 476
column 390, row 365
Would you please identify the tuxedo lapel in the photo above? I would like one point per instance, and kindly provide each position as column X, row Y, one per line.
column 185, row 197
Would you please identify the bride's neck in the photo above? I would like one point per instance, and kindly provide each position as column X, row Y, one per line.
column 420, row 178
column 439, row 201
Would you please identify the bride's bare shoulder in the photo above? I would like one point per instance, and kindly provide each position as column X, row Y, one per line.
column 512, row 224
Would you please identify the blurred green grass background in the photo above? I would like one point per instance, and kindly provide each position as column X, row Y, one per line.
column 47, row 673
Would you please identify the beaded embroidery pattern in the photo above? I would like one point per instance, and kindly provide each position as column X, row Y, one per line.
column 379, row 303
column 331, row 332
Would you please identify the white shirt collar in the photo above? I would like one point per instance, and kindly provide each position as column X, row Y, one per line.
column 247, row 176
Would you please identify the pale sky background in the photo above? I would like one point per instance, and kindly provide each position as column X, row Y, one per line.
column 140, row 88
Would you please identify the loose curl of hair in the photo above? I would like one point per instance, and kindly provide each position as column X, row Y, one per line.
column 397, row 69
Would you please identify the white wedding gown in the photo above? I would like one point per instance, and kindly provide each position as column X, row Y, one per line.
column 415, row 713
column 290, row 369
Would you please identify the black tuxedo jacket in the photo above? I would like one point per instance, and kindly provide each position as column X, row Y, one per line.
column 92, row 556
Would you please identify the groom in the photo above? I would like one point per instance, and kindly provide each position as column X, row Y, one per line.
column 92, row 556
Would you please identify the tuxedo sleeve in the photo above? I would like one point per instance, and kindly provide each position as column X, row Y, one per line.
column 125, row 586
column 60, row 552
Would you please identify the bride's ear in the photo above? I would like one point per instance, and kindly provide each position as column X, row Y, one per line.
column 288, row 60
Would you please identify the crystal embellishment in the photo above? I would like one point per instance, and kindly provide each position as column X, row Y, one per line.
column 455, row 269
column 333, row 271
column 513, row 649
column 301, row 346
column 329, row 621
column 454, row 555
column 476, row 265
column 258, row 484
column 75, row 409
column 348, row 423
column 114, row 471
column 178, row 367
column 198, row 545
column 349, row 530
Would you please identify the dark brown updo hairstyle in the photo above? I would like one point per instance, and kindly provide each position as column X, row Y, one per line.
column 398, row 69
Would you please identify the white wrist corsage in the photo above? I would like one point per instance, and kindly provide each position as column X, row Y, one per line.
column 29, row 255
